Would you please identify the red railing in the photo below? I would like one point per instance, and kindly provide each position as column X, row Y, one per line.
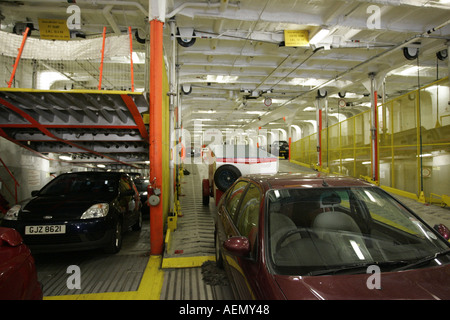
column 16, row 184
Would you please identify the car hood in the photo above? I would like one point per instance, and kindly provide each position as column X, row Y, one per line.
column 61, row 206
column 428, row 284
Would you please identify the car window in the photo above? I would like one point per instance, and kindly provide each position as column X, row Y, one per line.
column 318, row 229
column 234, row 197
column 79, row 184
column 248, row 217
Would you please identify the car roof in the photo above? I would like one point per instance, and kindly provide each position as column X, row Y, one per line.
column 91, row 173
column 306, row 180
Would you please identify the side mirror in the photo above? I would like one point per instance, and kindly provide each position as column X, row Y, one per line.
column 238, row 246
column 443, row 231
column 34, row 193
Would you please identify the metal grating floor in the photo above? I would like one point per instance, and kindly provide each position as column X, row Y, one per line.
column 188, row 284
column 194, row 237
column 99, row 272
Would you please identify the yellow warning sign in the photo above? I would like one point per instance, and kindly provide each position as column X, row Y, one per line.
column 51, row 29
column 296, row 38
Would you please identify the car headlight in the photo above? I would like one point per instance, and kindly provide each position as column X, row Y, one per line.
column 98, row 210
column 13, row 213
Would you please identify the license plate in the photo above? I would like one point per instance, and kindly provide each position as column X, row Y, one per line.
column 47, row 229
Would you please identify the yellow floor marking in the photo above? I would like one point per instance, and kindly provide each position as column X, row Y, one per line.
column 186, row 262
column 149, row 288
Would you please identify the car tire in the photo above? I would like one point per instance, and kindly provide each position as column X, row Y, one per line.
column 218, row 253
column 225, row 176
column 115, row 244
column 138, row 225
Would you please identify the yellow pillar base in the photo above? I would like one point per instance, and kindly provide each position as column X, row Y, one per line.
column 422, row 197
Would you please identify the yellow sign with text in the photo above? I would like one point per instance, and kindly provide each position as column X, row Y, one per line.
column 51, row 29
column 296, row 38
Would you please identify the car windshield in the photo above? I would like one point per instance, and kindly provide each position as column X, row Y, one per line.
column 80, row 184
column 315, row 230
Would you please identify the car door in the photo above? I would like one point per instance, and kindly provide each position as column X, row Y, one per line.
column 229, row 209
column 245, row 222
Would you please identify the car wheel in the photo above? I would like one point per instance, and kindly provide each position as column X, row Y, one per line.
column 225, row 176
column 115, row 244
column 138, row 225
column 218, row 253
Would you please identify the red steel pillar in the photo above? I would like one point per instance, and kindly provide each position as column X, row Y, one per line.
column 156, row 132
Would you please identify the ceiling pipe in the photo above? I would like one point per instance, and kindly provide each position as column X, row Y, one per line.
column 199, row 5
column 100, row 2
column 108, row 16
column 426, row 34
column 397, row 3
column 374, row 58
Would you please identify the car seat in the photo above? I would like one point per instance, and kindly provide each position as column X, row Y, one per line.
column 339, row 229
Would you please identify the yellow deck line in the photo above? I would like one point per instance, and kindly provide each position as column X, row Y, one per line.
column 87, row 91
column 149, row 288
column 186, row 262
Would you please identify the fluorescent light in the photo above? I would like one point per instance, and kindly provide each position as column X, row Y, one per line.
column 46, row 79
column 306, row 82
column 319, row 36
column 67, row 158
column 409, row 70
column 206, row 111
column 255, row 112
column 101, row 166
column 221, row 78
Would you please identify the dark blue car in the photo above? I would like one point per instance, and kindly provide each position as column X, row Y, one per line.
column 78, row 211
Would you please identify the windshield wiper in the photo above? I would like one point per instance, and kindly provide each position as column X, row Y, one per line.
column 424, row 260
column 361, row 267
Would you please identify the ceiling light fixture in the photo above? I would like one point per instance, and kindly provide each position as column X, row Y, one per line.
column 67, row 158
column 221, row 78
column 319, row 36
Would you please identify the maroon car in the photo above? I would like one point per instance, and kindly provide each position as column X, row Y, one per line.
column 290, row 236
column 18, row 277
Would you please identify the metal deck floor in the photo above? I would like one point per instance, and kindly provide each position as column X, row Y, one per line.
column 192, row 245
column 100, row 272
